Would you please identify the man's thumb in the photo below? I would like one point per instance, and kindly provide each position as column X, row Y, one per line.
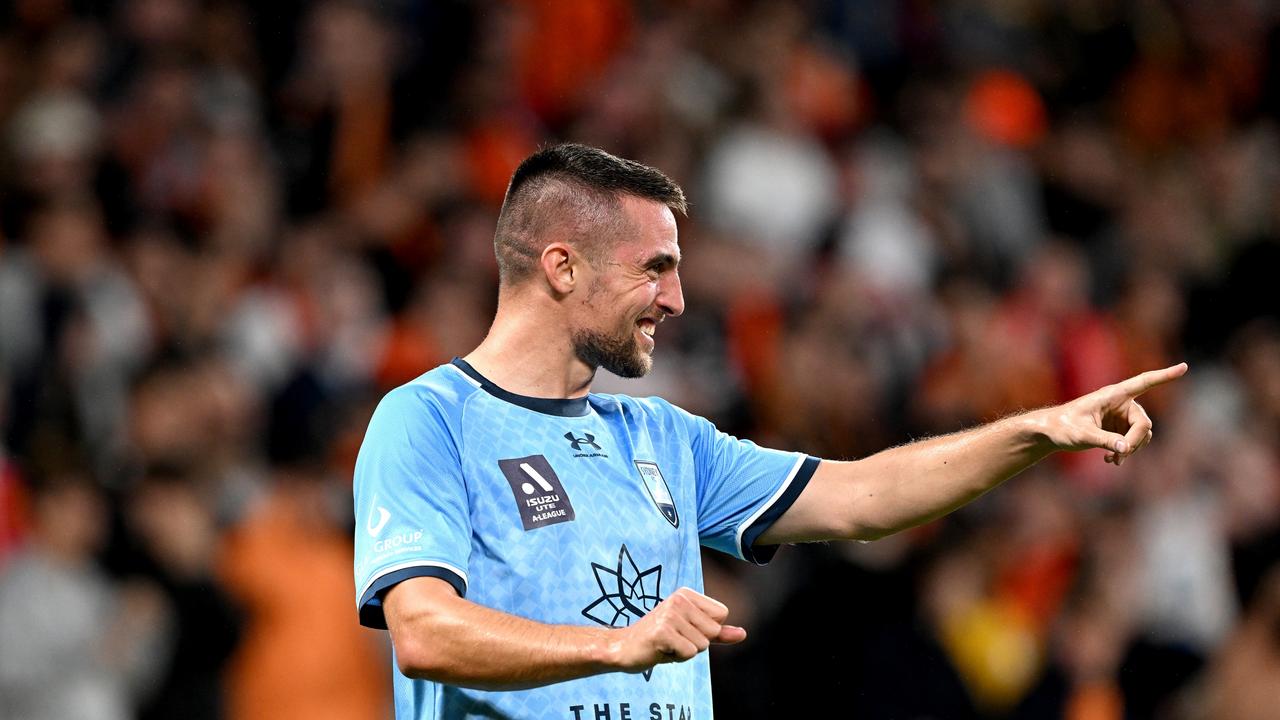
column 1110, row 441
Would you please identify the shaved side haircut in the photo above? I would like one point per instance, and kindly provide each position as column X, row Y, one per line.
column 576, row 190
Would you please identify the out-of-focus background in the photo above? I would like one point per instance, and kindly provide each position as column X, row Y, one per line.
column 227, row 227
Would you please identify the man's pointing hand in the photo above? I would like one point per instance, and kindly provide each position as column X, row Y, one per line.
column 1109, row 417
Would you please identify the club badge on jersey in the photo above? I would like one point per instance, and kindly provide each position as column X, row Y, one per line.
column 659, row 493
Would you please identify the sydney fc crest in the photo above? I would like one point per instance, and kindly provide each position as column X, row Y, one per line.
column 658, row 491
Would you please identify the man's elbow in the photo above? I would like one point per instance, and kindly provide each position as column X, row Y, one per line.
column 419, row 658
column 846, row 502
column 418, row 661
column 868, row 533
column 421, row 635
column 859, row 522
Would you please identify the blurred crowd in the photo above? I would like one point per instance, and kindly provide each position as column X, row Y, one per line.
column 227, row 227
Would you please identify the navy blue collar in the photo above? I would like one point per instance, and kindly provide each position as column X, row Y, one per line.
column 564, row 407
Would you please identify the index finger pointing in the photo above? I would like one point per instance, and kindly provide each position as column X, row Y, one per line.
column 1138, row 384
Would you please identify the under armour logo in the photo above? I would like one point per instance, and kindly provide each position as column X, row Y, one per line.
column 578, row 442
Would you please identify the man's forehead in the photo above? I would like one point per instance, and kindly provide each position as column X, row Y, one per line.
column 653, row 234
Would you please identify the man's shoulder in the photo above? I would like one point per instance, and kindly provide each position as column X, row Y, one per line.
column 444, row 388
column 621, row 401
column 650, row 407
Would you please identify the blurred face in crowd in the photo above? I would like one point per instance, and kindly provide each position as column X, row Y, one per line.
column 71, row 519
column 68, row 243
column 631, row 288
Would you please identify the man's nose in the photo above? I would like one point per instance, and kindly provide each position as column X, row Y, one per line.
column 671, row 295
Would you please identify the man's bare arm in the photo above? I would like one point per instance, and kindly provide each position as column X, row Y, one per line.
column 905, row 486
column 442, row 637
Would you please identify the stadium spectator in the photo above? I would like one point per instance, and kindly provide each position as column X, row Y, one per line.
column 73, row 643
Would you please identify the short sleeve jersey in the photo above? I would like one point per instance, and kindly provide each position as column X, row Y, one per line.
column 578, row 511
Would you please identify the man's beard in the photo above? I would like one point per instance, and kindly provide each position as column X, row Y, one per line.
column 619, row 355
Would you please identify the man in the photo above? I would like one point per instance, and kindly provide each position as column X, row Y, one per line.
column 533, row 548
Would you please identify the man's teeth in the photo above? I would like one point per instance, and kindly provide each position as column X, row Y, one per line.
column 647, row 328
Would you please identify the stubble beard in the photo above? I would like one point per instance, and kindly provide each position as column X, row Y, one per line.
column 620, row 355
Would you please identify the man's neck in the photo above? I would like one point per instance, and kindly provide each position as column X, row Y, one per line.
column 529, row 357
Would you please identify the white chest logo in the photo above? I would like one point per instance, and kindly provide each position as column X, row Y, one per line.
column 658, row 491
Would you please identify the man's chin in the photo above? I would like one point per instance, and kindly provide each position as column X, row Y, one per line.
column 623, row 359
column 639, row 366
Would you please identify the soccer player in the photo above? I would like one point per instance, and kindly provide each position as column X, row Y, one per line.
column 534, row 547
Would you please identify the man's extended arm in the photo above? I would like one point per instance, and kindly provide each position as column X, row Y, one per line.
column 443, row 637
column 912, row 484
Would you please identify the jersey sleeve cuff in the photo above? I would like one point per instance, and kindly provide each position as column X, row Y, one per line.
column 370, row 602
column 782, row 500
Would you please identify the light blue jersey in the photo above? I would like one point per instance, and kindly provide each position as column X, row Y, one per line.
column 574, row 512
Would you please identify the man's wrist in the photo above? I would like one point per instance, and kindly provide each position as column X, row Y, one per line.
column 604, row 650
column 1031, row 432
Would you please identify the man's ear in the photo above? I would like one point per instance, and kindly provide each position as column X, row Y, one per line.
column 562, row 267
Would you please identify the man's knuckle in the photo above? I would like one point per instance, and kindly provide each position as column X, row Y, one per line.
column 661, row 626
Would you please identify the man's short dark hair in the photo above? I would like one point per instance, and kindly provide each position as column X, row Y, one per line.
column 578, row 188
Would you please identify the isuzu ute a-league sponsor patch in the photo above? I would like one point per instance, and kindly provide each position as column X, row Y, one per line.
column 539, row 495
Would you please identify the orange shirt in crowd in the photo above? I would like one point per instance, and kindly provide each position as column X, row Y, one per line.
column 304, row 654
